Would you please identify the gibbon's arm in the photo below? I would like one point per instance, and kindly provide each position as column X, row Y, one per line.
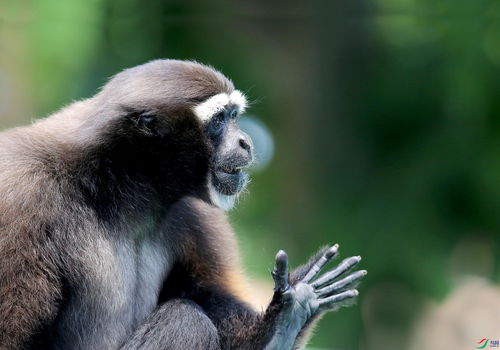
column 29, row 283
column 207, row 317
column 201, row 301
column 210, row 276
column 298, row 301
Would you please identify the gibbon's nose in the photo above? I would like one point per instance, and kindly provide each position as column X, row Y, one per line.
column 246, row 142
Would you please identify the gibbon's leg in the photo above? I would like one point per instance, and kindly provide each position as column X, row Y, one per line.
column 176, row 325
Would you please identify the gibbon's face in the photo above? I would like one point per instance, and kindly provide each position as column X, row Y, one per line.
column 168, row 101
column 233, row 149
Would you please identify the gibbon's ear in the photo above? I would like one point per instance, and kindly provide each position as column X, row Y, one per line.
column 147, row 122
column 146, row 119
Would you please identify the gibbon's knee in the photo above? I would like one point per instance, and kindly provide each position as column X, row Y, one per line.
column 177, row 324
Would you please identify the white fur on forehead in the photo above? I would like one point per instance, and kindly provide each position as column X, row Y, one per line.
column 217, row 103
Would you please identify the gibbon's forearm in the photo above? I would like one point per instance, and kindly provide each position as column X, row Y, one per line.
column 238, row 325
column 241, row 328
column 299, row 300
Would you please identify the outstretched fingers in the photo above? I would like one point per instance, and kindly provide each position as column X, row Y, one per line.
column 343, row 267
column 348, row 282
column 322, row 261
column 280, row 272
column 334, row 301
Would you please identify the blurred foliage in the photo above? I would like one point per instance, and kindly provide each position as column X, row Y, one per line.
column 385, row 114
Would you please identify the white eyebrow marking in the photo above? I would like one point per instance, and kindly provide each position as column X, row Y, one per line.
column 211, row 106
column 238, row 99
column 216, row 103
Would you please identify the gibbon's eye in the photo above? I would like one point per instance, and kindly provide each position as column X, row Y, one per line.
column 234, row 113
column 217, row 123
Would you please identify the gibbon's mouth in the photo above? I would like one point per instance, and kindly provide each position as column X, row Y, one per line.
column 229, row 180
column 229, row 170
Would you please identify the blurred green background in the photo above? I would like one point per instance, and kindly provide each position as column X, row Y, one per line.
column 386, row 120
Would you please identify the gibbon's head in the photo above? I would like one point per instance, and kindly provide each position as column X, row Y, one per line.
column 175, row 105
